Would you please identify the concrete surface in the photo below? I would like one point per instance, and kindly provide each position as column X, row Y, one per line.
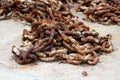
column 107, row 69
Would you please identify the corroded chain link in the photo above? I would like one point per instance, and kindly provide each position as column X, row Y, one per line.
column 103, row 11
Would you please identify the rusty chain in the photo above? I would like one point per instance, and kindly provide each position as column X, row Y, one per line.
column 54, row 34
column 102, row 11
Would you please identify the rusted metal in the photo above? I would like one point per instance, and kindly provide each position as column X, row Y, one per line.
column 102, row 11
column 54, row 35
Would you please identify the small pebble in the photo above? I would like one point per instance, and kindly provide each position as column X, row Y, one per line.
column 84, row 73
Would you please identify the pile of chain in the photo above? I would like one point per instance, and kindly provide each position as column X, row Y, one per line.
column 102, row 11
column 55, row 35
column 71, row 42
column 36, row 10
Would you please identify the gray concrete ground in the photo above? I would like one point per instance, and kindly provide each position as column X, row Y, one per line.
column 107, row 69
